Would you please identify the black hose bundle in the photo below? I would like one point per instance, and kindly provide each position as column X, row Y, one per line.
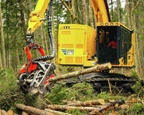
column 49, row 17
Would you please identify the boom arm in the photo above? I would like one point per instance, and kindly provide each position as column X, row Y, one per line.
column 101, row 11
column 35, row 73
column 37, row 16
column 36, row 19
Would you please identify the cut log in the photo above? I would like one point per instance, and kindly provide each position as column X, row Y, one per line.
column 0, row 112
column 24, row 113
column 4, row 112
column 93, row 110
column 15, row 114
column 33, row 110
column 87, row 103
column 124, row 107
column 111, row 106
column 10, row 112
column 96, row 68
column 67, row 107
column 56, row 112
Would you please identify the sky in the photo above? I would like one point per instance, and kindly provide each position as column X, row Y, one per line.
column 123, row 2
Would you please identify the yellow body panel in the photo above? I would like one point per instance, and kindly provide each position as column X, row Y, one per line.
column 76, row 44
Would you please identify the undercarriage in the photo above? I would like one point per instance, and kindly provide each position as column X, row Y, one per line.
column 117, row 83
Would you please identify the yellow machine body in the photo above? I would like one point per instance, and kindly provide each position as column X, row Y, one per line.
column 82, row 45
column 76, row 45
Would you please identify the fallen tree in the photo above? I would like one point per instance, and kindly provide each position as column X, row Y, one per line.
column 93, row 110
column 33, row 110
column 96, row 68
column 86, row 103
column 107, row 107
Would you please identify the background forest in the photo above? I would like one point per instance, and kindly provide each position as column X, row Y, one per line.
column 15, row 15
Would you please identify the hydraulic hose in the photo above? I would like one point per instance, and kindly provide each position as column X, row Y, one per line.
column 49, row 17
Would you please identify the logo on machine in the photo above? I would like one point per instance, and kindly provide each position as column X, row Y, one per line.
column 68, row 51
column 64, row 51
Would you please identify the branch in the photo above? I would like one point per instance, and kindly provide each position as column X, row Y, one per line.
column 136, row 6
column 68, row 8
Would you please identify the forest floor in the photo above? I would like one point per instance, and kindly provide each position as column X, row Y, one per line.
column 80, row 99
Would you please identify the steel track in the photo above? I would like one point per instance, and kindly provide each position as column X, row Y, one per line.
column 101, row 81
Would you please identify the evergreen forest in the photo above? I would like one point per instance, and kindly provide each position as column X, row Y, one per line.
column 14, row 17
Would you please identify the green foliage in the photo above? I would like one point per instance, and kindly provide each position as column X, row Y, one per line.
column 58, row 93
column 7, row 81
column 76, row 112
column 79, row 91
column 138, row 89
column 35, row 101
column 84, row 91
column 136, row 109
column 9, row 91
column 135, row 75
column 107, row 96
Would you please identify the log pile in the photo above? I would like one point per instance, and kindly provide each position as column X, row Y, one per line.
column 9, row 112
column 93, row 107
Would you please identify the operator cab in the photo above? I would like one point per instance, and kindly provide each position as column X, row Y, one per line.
column 113, row 43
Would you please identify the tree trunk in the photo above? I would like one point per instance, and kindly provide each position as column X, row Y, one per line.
column 22, row 17
column 0, row 62
column 42, row 36
column 2, row 40
column 33, row 110
column 56, row 112
column 71, row 11
column 84, row 11
column 128, row 10
column 67, row 107
column 118, row 10
column 91, row 16
column 96, row 68
column 112, row 14
column 133, row 24
column 86, row 103
column 45, row 41
column 93, row 110
column 111, row 106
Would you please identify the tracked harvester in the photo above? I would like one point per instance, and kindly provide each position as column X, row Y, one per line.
column 82, row 45
column 78, row 45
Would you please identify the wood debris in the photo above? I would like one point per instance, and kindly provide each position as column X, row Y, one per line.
column 92, row 107
column 9, row 112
